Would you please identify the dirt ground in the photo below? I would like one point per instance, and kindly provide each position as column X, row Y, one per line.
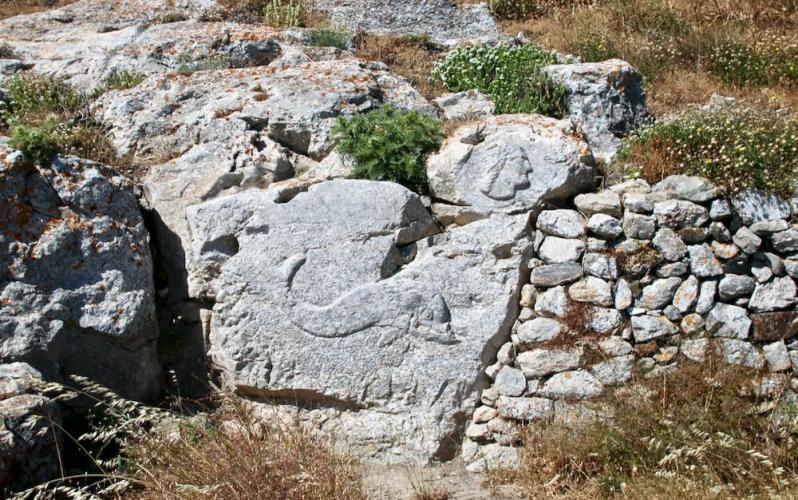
column 448, row 481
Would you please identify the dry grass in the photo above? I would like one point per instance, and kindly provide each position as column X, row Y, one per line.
column 264, row 11
column 236, row 456
column 694, row 433
column 11, row 8
column 686, row 49
column 410, row 57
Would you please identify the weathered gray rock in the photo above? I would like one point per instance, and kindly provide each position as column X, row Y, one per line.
column 510, row 164
column 773, row 296
column 323, row 293
column 556, row 250
column 658, row 294
column 538, row 330
column 552, row 303
column 606, row 99
column 740, row 352
column 493, row 456
column 216, row 133
column 614, row 371
column 510, row 382
column 765, row 265
column 76, row 278
column 686, row 295
column 690, row 188
column 720, row 210
column 525, row 409
column 695, row 349
column 556, row 274
column 725, row 320
column 601, row 265
column 639, row 203
column 703, row 262
column 528, row 296
column 674, row 269
column 706, row 297
column 753, row 205
column 669, row 245
column 645, row 327
column 734, row 286
column 765, row 228
column 639, row 227
column 562, row 223
column 578, row 384
column 623, row 295
column 786, row 241
column 30, row 429
column 615, row 346
column 604, row 202
column 442, row 20
column 591, row 290
column 791, row 267
column 679, row 214
column 604, row 321
column 747, row 240
column 541, row 362
column 605, row 226
column 777, row 356
column 465, row 105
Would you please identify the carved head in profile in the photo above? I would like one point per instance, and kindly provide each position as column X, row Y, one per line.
column 507, row 171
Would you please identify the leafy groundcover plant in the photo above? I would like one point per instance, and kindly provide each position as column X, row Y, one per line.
column 389, row 144
column 733, row 145
column 510, row 75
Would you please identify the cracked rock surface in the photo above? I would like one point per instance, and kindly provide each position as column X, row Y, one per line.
column 358, row 307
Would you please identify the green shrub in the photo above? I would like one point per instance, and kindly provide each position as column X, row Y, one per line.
column 282, row 14
column 33, row 94
column 170, row 17
column 188, row 65
column 767, row 61
column 389, row 144
column 733, row 145
column 38, row 143
column 121, row 80
column 511, row 75
column 328, row 36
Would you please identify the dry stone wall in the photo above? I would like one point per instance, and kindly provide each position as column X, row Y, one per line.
column 637, row 279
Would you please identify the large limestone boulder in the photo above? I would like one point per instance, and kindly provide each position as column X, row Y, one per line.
column 339, row 299
column 511, row 163
column 606, row 99
column 30, row 429
column 76, row 282
column 444, row 21
column 88, row 41
column 231, row 130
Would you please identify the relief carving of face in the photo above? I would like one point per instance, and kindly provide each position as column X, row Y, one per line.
column 508, row 172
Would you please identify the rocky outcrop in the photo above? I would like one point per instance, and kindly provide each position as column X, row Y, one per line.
column 606, row 99
column 76, row 282
column 343, row 299
column 30, row 430
column 510, row 164
column 233, row 130
column 442, row 20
